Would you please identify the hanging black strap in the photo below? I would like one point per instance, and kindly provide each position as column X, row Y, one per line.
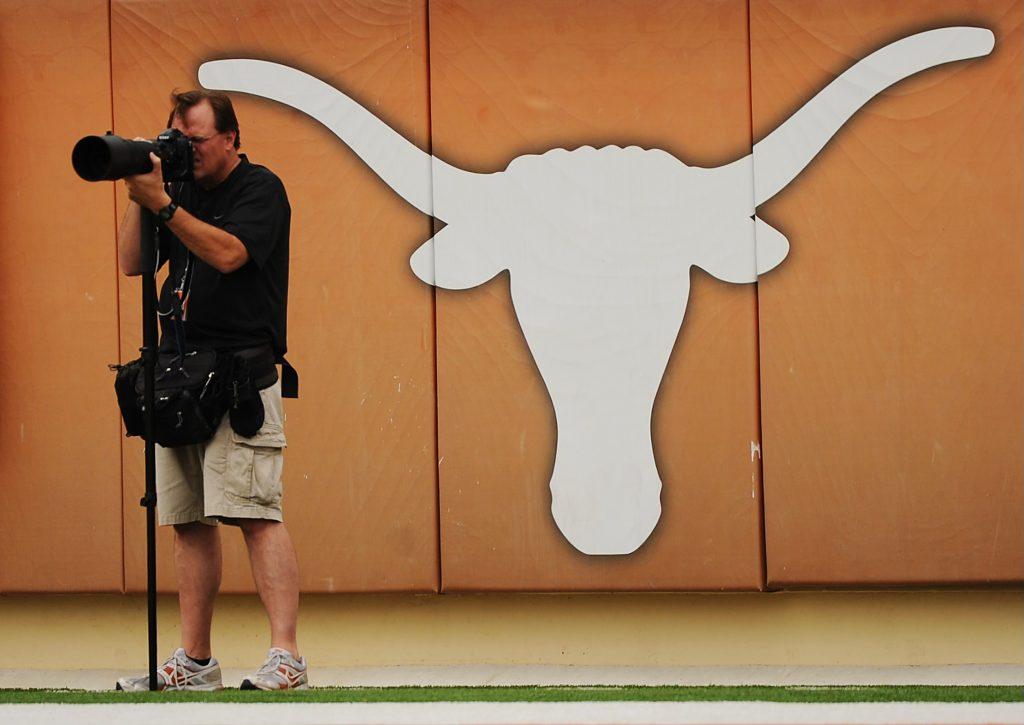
column 289, row 380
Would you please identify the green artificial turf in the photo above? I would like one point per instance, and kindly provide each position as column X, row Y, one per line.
column 878, row 693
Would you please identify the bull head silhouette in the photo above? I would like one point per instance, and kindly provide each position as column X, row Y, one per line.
column 599, row 245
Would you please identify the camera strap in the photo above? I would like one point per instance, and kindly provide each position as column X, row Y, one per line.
column 179, row 306
column 179, row 298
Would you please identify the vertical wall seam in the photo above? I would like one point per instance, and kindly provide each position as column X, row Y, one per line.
column 433, row 306
column 757, row 326
column 117, row 284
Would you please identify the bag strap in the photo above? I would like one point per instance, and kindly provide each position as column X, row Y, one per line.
column 289, row 380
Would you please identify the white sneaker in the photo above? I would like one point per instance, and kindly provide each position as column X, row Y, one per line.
column 179, row 672
column 281, row 671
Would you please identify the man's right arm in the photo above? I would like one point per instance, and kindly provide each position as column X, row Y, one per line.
column 129, row 254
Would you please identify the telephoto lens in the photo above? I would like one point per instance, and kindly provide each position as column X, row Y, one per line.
column 110, row 157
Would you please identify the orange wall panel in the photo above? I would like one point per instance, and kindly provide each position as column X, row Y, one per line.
column 891, row 338
column 525, row 77
column 360, row 480
column 60, row 492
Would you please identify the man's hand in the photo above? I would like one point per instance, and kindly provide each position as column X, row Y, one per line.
column 148, row 189
column 219, row 249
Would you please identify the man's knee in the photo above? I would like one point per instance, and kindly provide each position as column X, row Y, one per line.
column 256, row 527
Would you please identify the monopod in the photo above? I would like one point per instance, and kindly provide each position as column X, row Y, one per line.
column 148, row 242
column 107, row 158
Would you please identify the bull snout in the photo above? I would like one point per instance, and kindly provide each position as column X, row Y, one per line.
column 602, row 357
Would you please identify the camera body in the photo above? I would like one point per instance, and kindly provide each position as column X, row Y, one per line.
column 175, row 152
column 110, row 157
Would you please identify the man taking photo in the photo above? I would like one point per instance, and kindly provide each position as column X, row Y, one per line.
column 225, row 237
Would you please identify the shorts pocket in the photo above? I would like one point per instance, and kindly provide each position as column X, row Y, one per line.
column 254, row 466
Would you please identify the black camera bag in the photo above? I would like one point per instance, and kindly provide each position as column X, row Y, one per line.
column 191, row 395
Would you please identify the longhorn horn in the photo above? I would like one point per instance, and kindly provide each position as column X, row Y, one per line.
column 786, row 151
column 408, row 170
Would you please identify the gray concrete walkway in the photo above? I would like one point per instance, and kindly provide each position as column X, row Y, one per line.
column 517, row 713
column 560, row 675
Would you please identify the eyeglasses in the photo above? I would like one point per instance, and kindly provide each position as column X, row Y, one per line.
column 197, row 140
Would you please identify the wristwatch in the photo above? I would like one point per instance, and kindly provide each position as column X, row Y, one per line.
column 167, row 212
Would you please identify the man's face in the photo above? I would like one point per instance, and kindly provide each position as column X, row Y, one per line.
column 214, row 151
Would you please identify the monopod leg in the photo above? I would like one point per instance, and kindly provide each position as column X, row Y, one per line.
column 149, row 353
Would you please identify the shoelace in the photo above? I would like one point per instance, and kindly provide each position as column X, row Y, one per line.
column 270, row 666
column 178, row 666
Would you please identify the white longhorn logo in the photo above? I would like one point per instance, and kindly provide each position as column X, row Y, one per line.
column 599, row 245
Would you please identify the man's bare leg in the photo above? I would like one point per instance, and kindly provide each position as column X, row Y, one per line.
column 276, row 571
column 197, row 559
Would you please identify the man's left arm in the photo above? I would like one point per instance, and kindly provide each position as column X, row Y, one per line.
column 220, row 249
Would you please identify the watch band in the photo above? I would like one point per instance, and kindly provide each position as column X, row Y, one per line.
column 167, row 212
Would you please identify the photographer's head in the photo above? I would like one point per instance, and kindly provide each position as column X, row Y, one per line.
column 208, row 119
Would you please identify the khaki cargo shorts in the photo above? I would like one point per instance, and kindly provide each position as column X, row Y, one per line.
column 228, row 477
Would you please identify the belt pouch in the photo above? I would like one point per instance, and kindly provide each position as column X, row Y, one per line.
column 246, row 412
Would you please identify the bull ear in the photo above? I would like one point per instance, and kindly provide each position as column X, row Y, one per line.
column 739, row 254
column 772, row 246
column 455, row 258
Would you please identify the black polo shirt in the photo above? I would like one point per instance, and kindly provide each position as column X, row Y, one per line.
column 247, row 307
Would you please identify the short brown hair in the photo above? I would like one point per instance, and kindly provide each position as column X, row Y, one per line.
column 224, row 118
